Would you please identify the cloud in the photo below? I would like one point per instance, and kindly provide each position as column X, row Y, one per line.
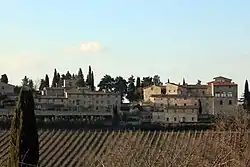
column 91, row 47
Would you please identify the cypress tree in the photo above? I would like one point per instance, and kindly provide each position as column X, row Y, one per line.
column 24, row 145
column 54, row 81
column 92, row 81
column 246, row 103
column 88, row 79
column 46, row 81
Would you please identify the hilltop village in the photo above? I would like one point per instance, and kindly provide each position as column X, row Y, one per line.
column 156, row 103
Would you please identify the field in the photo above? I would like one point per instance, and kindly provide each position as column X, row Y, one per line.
column 64, row 148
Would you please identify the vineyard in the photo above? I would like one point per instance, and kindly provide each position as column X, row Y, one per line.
column 63, row 148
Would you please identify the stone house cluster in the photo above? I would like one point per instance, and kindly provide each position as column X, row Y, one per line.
column 175, row 103
column 71, row 97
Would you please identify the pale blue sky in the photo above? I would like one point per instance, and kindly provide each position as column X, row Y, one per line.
column 183, row 38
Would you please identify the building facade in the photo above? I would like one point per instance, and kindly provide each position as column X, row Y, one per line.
column 217, row 97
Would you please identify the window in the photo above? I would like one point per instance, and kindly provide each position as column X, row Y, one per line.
column 167, row 119
column 195, row 104
column 175, row 104
column 96, row 108
column 203, row 92
column 221, row 102
column 53, row 100
column 192, row 118
column 230, row 102
column 152, row 88
column 77, row 96
column 108, row 101
column 185, row 104
column 217, row 94
column 161, row 104
column 174, row 118
column 101, row 101
column 169, row 90
column 97, row 101
column 61, row 100
column 229, row 94
column 183, row 119
column 158, row 117
column 39, row 100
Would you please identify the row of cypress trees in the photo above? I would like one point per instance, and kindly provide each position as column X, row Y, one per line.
column 24, row 145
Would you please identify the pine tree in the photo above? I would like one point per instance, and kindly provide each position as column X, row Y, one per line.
column 24, row 145
column 46, row 81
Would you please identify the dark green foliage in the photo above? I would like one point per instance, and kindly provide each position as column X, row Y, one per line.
column 46, row 84
column 80, row 82
column 55, row 79
column 68, row 75
column 31, row 84
column 138, row 82
column 42, row 84
column 24, row 145
column 90, row 79
column 183, row 82
column 4, row 78
column 156, row 80
column 131, row 93
column 107, row 83
column 147, row 81
column 92, row 86
column 246, row 102
column 120, row 86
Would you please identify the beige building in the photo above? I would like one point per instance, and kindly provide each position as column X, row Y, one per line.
column 78, row 98
column 176, row 114
column 217, row 97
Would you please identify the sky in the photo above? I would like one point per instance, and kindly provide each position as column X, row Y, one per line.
column 189, row 39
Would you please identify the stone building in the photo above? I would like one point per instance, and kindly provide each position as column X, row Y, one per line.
column 217, row 97
column 225, row 93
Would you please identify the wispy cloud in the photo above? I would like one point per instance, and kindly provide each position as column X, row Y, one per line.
column 91, row 47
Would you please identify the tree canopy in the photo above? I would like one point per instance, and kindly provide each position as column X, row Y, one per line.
column 4, row 78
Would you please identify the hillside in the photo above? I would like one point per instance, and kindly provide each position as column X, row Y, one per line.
column 61, row 148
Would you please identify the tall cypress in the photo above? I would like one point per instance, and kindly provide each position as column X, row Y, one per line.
column 246, row 103
column 88, row 79
column 55, row 80
column 46, row 81
column 24, row 145
column 92, row 81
